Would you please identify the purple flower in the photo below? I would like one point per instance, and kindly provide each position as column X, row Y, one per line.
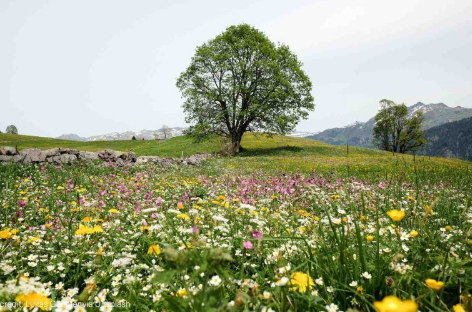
column 256, row 234
column 248, row 245
column 21, row 203
column 195, row 229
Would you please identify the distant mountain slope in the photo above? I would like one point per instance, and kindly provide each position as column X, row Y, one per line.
column 71, row 137
column 128, row 135
column 360, row 133
column 453, row 139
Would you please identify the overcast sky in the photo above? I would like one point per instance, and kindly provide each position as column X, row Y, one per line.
column 96, row 66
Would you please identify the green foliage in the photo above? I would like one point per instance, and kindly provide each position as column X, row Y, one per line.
column 11, row 129
column 240, row 81
column 394, row 131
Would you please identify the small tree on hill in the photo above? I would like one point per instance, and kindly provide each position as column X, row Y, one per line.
column 166, row 132
column 133, row 138
column 11, row 129
column 394, row 131
column 240, row 81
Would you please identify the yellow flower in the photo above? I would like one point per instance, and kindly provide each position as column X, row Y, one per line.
column 414, row 233
column 434, row 284
column 393, row 304
column 33, row 239
column 396, row 215
column 5, row 234
column 60, row 187
column 301, row 281
column 84, row 230
column 34, row 300
column 182, row 292
column 180, row 206
column 86, row 219
column 113, row 210
column 97, row 229
column 183, row 216
column 458, row 308
column 221, row 198
column 370, row 238
column 145, row 228
column 154, row 250
column 448, row 228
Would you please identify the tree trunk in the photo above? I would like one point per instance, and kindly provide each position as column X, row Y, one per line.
column 234, row 147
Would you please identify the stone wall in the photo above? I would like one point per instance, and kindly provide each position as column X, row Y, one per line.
column 68, row 156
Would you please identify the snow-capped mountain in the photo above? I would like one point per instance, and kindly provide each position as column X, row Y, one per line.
column 128, row 135
column 360, row 133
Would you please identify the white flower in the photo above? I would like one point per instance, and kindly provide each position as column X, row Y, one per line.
column 366, row 275
column 106, row 307
column 220, row 218
column 50, row 268
column 332, row 308
column 215, row 280
column 63, row 306
column 319, row 281
column 79, row 308
column 267, row 295
column 353, row 284
column 282, row 282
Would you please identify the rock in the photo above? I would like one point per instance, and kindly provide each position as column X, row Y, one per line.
column 107, row 154
column 120, row 162
column 147, row 159
column 88, row 156
column 68, row 151
column 64, row 159
column 194, row 160
column 51, row 152
column 18, row 158
column 8, row 150
column 32, row 155
column 132, row 156
column 6, row 158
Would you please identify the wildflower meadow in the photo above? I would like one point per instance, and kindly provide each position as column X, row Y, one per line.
column 234, row 235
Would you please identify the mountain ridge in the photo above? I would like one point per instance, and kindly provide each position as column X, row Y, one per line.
column 360, row 133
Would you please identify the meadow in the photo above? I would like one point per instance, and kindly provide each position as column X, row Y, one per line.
column 287, row 225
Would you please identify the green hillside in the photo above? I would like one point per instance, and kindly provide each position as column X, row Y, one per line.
column 279, row 153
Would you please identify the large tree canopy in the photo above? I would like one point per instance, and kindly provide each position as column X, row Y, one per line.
column 240, row 81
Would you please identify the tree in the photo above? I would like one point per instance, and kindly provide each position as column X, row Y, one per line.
column 240, row 81
column 133, row 138
column 166, row 132
column 394, row 131
column 11, row 129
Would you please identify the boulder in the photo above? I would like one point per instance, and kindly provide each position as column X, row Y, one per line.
column 63, row 159
column 132, row 156
column 32, row 155
column 148, row 159
column 8, row 150
column 6, row 158
column 51, row 152
column 69, row 151
column 120, row 162
column 107, row 154
column 88, row 156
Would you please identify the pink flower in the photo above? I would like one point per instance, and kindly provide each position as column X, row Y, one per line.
column 248, row 245
column 256, row 234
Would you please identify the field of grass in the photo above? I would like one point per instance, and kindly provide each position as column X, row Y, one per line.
column 287, row 225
